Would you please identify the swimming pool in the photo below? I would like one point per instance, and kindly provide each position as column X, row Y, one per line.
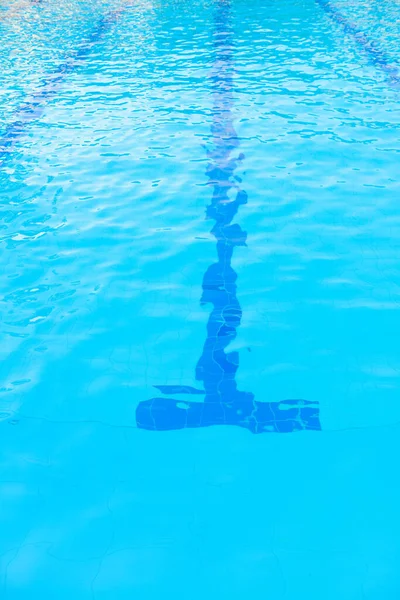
column 199, row 366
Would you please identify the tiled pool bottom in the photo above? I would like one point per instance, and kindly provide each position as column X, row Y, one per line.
column 199, row 227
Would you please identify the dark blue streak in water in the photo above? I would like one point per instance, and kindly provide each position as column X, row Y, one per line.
column 377, row 56
column 223, row 403
column 33, row 110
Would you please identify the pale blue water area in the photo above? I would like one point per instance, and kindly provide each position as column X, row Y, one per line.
column 199, row 296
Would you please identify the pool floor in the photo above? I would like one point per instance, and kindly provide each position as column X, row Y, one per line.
column 200, row 249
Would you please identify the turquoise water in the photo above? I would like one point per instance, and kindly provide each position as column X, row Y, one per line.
column 199, row 221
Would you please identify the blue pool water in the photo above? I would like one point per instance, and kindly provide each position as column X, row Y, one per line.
column 199, row 244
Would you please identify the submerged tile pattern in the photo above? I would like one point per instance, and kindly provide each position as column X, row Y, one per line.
column 33, row 109
column 223, row 403
column 376, row 55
